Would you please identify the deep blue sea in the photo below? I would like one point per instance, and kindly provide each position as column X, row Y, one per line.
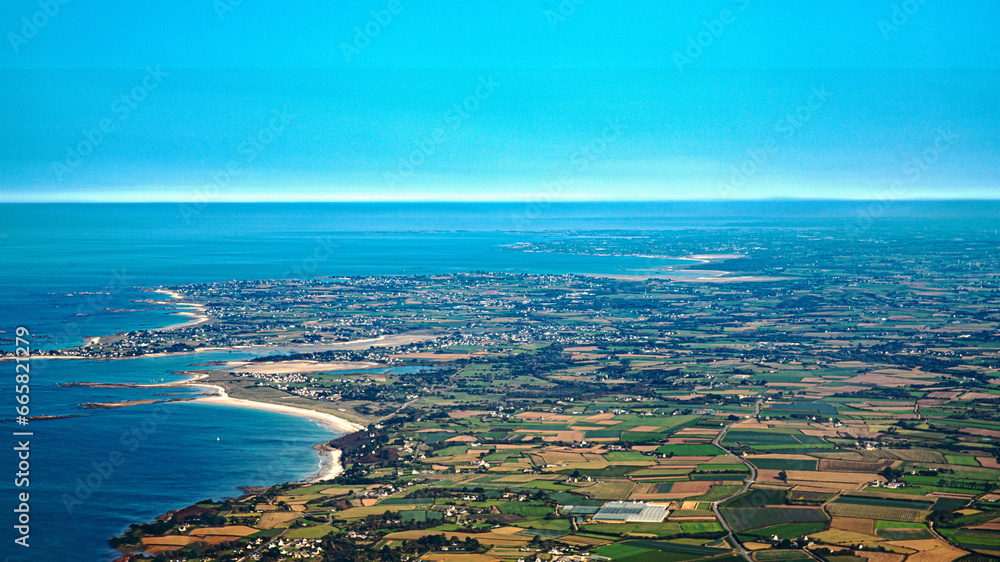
column 76, row 270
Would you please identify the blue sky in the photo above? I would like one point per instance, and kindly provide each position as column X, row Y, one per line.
column 516, row 100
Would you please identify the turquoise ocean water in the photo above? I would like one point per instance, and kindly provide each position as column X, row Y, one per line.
column 72, row 271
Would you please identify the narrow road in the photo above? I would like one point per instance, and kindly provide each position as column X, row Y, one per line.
column 398, row 410
column 746, row 485
column 930, row 525
column 259, row 549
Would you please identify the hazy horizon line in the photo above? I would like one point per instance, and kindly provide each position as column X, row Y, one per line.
column 536, row 201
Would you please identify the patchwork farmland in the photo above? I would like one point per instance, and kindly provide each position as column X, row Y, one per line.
column 845, row 412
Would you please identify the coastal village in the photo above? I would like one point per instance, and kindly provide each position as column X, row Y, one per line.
column 829, row 415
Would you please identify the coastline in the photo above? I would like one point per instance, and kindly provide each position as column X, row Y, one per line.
column 718, row 278
column 157, row 354
column 329, row 465
column 674, row 273
column 197, row 314
column 380, row 341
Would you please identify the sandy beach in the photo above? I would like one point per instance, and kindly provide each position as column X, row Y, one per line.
column 682, row 273
column 708, row 258
column 330, row 465
column 714, row 277
column 197, row 314
column 195, row 320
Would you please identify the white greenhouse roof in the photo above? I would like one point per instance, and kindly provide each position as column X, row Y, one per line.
column 632, row 512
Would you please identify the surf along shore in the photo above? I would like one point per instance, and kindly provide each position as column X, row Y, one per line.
column 330, row 465
column 195, row 311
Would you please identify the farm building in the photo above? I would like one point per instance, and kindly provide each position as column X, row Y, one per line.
column 632, row 512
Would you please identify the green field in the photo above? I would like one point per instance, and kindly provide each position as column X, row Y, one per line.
column 885, row 502
column 524, row 509
column 751, row 438
column 658, row 556
column 652, row 472
column 701, row 527
column 622, row 529
column 406, row 501
column 904, row 534
column 689, row 450
column 685, row 548
column 566, row 498
column 545, row 485
column 748, row 518
column 420, row 516
column 970, row 538
column 735, row 477
column 759, row 497
column 784, row 464
column 609, row 490
column 812, row 498
column 313, row 532
column 637, row 436
column 620, row 550
column 716, row 493
column 882, row 524
column 962, row 460
column 544, row 524
column 787, row 531
column 614, row 456
column 451, row 451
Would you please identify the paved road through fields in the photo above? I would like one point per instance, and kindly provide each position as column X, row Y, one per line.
column 746, row 485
